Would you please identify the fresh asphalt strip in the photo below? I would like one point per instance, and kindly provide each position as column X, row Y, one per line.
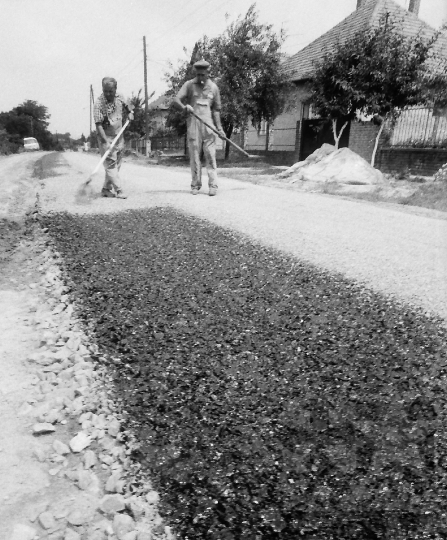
column 270, row 399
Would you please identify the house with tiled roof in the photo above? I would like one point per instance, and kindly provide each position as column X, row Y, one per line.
column 158, row 112
column 294, row 132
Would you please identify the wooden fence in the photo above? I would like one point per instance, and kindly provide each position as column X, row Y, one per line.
column 168, row 145
column 420, row 127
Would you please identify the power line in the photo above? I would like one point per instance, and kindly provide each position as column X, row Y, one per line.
column 159, row 44
column 192, row 13
column 135, row 67
column 129, row 63
column 124, row 44
column 164, row 64
column 184, row 18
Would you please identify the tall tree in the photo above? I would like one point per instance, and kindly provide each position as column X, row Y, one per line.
column 29, row 119
column 378, row 73
column 246, row 64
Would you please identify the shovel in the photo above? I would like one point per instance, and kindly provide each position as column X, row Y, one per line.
column 225, row 138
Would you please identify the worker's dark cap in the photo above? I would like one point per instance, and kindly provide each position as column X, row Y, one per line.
column 202, row 64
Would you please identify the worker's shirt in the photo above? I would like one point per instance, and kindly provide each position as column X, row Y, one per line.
column 110, row 114
column 203, row 99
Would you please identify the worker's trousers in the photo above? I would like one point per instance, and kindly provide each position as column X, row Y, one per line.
column 112, row 165
column 204, row 139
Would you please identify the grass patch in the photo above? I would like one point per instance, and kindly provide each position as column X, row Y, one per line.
column 270, row 399
column 433, row 195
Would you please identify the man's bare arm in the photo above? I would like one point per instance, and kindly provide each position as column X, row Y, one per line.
column 178, row 104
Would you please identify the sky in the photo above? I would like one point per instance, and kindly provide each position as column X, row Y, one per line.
column 51, row 51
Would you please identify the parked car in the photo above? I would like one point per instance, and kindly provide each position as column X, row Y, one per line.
column 30, row 143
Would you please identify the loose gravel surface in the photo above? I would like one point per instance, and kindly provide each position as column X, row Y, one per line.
column 399, row 253
column 396, row 252
column 267, row 397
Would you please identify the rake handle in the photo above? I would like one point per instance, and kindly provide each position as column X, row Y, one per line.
column 107, row 152
column 220, row 135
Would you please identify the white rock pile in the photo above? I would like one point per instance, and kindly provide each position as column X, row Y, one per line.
column 441, row 175
column 342, row 166
column 78, row 431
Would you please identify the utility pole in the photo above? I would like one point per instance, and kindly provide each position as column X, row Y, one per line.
column 146, row 106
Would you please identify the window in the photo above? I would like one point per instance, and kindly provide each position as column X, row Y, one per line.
column 307, row 112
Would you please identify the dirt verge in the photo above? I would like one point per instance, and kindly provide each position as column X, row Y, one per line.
column 66, row 474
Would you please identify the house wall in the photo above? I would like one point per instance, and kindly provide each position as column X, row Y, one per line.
column 283, row 132
column 255, row 140
column 234, row 155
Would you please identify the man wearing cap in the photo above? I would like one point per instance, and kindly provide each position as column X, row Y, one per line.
column 108, row 113
column 201, row 96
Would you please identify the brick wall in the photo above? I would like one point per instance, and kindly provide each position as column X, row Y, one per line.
column 362, row 138
column 423, row 161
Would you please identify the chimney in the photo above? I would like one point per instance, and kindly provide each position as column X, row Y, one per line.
column 359, row 3
column 414, row 6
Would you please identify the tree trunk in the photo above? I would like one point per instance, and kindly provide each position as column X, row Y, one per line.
column 376, row 144
column 334, row 131
column 228, row 133
column 267, row 136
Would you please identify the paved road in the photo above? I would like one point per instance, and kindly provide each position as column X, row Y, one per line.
column 396, row 252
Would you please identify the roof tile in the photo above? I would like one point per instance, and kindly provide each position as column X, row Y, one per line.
column 300, row 66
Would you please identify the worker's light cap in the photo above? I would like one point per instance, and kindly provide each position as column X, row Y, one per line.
column 202, row 64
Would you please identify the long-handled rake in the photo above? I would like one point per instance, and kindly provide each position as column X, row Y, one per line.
column 251, row 156
column 85, row 190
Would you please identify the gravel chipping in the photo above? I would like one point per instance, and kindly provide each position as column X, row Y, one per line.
column 392, row 250
column 267, row 398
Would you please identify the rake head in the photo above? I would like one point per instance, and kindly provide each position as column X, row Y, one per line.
column 84, row 193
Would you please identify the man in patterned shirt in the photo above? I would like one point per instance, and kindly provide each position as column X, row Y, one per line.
column 108, row 113
column 201, row 95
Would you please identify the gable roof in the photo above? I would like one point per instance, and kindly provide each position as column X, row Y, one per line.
column 300, row 66
column 162, row 103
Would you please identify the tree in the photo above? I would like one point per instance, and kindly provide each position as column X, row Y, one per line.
column 136, row 127
column 376, row 73
column 246, row 64
column 29, row 119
